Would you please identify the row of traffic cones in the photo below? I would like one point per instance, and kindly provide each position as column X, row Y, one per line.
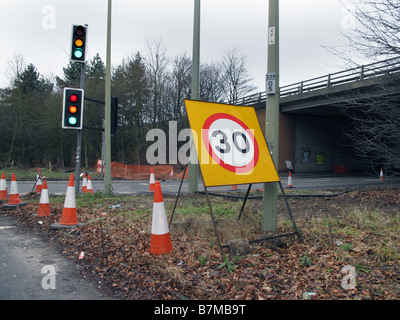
column 69, row 216
column 290, row 183
column 87, row 184
column 14, row 194
column 160, row 242
column 13, row 200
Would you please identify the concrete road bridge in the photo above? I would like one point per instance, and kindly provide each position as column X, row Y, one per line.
column 311, row 115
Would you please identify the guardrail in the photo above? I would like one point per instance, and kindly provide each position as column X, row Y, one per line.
column 363, row 72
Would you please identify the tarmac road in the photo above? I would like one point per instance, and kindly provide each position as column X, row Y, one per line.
column 134, row 187
column 23, row 258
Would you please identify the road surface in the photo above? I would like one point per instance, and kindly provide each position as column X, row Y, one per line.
column 135, row 187
column 32, row 269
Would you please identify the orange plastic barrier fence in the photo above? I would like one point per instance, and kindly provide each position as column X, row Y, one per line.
column 132, row 172
column 339, row 169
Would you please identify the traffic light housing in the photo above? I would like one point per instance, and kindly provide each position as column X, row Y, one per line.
column 78, row 46
column 72, row 116
column 114, row 115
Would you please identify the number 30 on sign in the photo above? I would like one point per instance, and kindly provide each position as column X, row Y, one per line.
column 230, row 145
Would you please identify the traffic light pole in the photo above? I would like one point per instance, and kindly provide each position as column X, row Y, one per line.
column 270, row 195
column 79, row 137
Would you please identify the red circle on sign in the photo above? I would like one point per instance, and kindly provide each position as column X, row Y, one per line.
column 237, row 169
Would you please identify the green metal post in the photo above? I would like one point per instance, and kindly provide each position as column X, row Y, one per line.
column 270, row 195
column 107, row 110
column 79, row 137
column 193, row 165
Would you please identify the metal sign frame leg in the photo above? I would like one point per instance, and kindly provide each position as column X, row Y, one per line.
column 209, row 206
column 213, row 220
column 244, row 201
column 297, row 232
column 221, row 247
column 177, row 196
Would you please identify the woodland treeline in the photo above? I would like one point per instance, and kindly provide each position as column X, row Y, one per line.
column 151, row 87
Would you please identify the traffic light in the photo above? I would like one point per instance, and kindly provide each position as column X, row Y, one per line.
column 78, row 48
column 72, row 117
column 114, row 115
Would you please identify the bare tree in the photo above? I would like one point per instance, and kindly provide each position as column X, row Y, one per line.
column 374, row 127
column 236, row 81
column 15, row 66
column 373, row 31
column 373, row 34
column 180, row 86
column 157, row 62
column 211, row 85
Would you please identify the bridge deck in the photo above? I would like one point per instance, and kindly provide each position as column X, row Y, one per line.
column 322, row 95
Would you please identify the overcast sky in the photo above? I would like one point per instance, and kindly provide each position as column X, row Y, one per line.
column 40, row 30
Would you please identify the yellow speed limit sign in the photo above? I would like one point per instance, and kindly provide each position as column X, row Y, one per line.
column 230, row 145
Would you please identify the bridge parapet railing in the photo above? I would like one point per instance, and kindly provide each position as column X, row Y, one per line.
column 368, row 71
column 252, row 99
column 351, row 75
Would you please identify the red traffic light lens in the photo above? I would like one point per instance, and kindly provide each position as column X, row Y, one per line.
column 79, row 31
column 73, row 98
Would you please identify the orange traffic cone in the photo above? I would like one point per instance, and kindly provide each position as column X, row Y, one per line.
column 89, row 188
column 381, row 179
column 152, row 181
column 44, row 204
column 289, row 181
column 3, row 187
column 39, row 184
column 68, row 217
column 160, row 238
column 14, row 200
column 84, row 183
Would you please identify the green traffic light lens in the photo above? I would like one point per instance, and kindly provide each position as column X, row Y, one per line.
column 78, row 53
column 72, row 120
